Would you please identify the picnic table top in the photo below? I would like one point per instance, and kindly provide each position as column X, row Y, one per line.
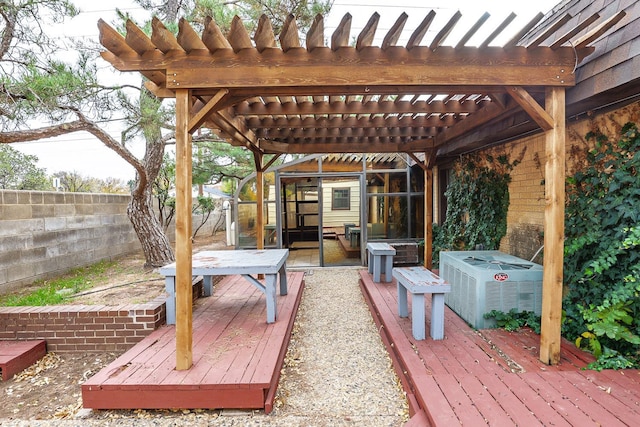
column 250, row 261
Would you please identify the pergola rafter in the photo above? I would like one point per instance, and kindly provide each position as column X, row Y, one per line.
column 271, row 94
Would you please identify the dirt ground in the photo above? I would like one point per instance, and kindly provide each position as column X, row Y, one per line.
column 50, row 389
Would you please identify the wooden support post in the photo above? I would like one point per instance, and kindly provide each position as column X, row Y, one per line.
column 184, row 314
column 553, row 228
column 428, row 216
column 385, row 200
column 259, row 201
column 429, row 161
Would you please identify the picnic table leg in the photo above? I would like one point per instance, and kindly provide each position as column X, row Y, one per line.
column 369, row 262
column 417, row 316
column 388, row 266
column 403, row 309
column 207, row 285
column 283, row 279
column 437, row 316
column 170, row 305
column 270, row 295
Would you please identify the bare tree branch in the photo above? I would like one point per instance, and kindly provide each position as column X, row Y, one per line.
column 83, row 124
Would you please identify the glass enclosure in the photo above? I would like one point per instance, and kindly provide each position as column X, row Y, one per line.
column 381, row 196
column 246, row 213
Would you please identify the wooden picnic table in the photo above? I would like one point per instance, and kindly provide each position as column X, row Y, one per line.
column 245, row 263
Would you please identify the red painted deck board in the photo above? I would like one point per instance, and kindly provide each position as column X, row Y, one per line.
column 466, row 379
column 237, row 356
column 15, row 356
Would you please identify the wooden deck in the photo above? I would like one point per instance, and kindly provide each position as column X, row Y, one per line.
column 18, row 355
column 494, row 377
column 237, row 356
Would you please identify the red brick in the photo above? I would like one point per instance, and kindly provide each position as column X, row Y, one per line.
column 135, row 326
column 95, row 327
column 141, row 319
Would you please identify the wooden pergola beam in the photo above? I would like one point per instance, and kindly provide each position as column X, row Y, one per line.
column 386, row 126
column 531, row 107
column 201, row 116
column 540, row 66
column 356, row 107
column 338, row 147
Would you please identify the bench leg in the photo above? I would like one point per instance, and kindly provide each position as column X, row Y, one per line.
column 377, row 266
column 388, row 266
column 437, row 316
column 170, row 305
column 207, row 288
column 417, row 316
column 369, row 262
column 403, row 310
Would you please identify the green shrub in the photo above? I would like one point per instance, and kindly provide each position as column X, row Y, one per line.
column 602, row 256
column 514, row 320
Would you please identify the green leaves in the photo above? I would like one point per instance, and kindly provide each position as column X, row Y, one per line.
column 19, row 171
column 602, row 260
column 477, row 203
column 514, row 320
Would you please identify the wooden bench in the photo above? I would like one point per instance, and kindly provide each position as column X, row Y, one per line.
column 380, row 260
column 420, row 281
column 15, row 356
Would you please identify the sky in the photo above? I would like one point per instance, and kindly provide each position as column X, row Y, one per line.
column 80, row 152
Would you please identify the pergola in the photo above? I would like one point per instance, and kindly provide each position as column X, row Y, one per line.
column 278, row 95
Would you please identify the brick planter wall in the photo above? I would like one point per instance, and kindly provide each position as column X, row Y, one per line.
column 83, row 328
column 89, row 328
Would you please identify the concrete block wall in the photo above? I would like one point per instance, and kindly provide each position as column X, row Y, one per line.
column 44, row 234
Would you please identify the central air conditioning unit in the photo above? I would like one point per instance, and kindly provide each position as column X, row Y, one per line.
column 482, row 281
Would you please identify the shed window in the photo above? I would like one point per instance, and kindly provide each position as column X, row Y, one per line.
column 341, row 199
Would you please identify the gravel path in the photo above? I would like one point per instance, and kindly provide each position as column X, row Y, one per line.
column 337, row 372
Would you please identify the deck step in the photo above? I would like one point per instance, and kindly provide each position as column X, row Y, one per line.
column 349, row 251
column 18, row 355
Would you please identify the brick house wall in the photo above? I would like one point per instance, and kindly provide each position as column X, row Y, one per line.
column 525, row 219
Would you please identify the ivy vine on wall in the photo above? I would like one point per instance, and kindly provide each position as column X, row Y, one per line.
column 477, row 203
column 602, row 248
